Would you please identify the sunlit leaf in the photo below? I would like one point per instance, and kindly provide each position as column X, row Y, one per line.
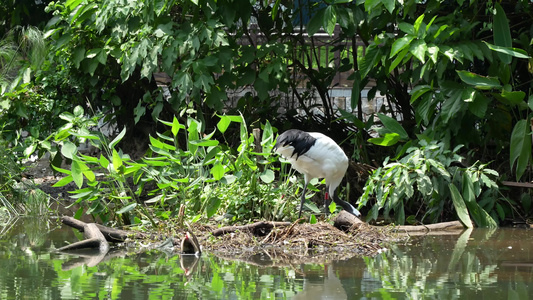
column 117, row 161
column 388, row 140
column 217, row 171
column 312, row 219
column 460, row 207
column 77, row 172
column 69, row 150
column 224, row 123
column 516, row 52
column 267, row 176
column 514, row 97
column 118, row 138
column 419, row 48
column 401, row 44
column 480, row 82
column 330, row 19
column 127, row 208
column 64, row 181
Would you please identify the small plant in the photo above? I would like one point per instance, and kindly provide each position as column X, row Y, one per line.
column 18, row 197
column 429, row 182
column 191, row 167
column 110, row 198
column 184, row 166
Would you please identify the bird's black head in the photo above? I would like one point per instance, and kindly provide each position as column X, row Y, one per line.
column 300, row 140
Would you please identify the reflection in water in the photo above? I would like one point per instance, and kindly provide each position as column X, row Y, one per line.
column 471, row 265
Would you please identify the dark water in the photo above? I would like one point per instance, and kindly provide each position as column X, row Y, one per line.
column 476, row 264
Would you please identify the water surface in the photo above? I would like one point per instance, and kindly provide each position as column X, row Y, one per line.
column 474, row 264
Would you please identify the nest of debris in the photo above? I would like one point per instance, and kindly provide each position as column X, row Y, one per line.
column 301, row 239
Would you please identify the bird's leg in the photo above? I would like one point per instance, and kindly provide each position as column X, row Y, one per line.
column 302, row 200
column 326, row 199
column 307, row 180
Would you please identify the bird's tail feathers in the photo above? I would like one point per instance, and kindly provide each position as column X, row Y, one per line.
column 348, row 207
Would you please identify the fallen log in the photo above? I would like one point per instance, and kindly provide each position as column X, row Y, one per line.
column 111, row 235
column 258, row 228
column 444, row 226
column 345, row 220
column 93, row 239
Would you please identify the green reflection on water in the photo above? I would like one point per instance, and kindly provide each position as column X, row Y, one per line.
column 496, row 264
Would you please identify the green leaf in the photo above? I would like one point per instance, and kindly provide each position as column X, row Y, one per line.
column 468, row 189
column 398, row 59
column 78, row 56
column 460, row 206
column 389, row 5
column 516, row 52
column 514, row 97
column 388, row 140
column 478, row 81
column 520, row 147
column 316, row 22
column 224, row 123
column 418, row 22
column 418, row 49
column 217, row 171
column 330, row 19
column 176, row 126
column 332, row 207
column 502, row 33
column 64, row 181
column 312, row 219
column 117, row 139
column 158, row 144
column 275, row 9
column 267, row 176
column 78, row 111
column 69, row 150
column 77, row 174
column 393, row 125
column 104, row 162
column 29, row 150
column 127, row 208
column 407, row 28
column 356, row 90
column 212, row 206
column 418, row 91
column 138, row 111
column 71, row 4
column 117, row 161
column 400, row 44
column 479, row 106
column 372, row 56
column 204, row 142
column 89, row 174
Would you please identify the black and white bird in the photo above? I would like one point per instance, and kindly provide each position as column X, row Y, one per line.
column 316, row 156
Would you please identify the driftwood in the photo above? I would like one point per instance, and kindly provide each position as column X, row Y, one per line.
column 111, row 235
column 93, row 239
column 445, row 226
column 345, row 220
column 259, row 228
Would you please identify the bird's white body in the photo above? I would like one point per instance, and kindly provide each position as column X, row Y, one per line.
column 325, row 159
column 316, row 156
